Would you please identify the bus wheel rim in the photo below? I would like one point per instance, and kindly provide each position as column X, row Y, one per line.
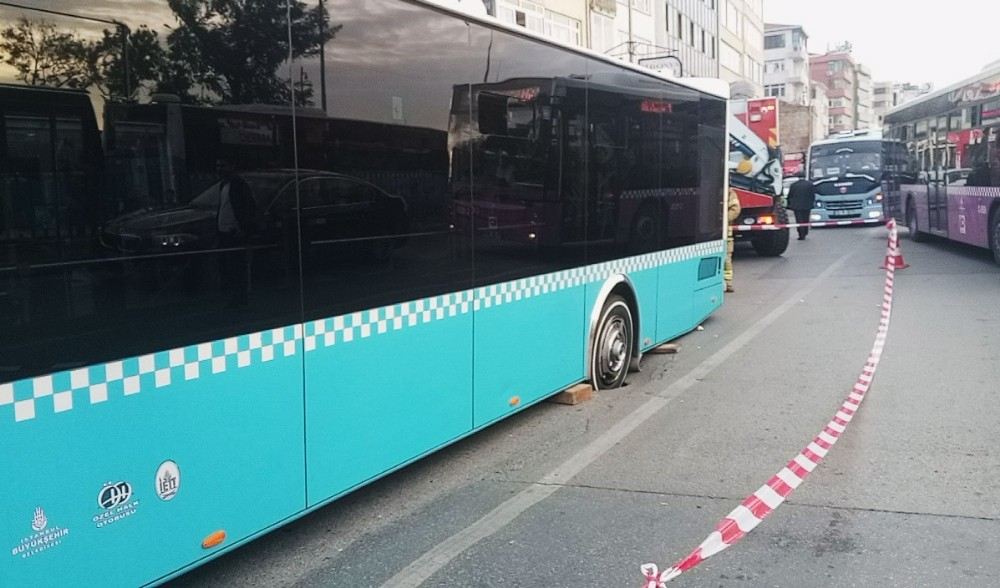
column 613, row 350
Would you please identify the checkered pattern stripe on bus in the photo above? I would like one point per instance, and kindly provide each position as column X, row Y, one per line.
column 659, row 193
column 102, row 383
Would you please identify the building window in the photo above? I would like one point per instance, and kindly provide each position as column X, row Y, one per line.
column 729, row 57
column 751, row 34
column 535, row 17
column 777, row 90
column 732, row 18
column 774, row 42
column 797, row 40
column 692, row 35
column 562, row 28
column 525, row 13
column 753, row 70
column 666, row 23
column 680, row 26
column 703, row 47
column 644, row 6
column 712, row 42
column 602, row 32
column 775, row 66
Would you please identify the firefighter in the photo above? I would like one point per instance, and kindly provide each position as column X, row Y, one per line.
column 733, row 214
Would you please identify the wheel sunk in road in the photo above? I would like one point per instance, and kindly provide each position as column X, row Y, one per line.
column 614, row 339
column 773, row 243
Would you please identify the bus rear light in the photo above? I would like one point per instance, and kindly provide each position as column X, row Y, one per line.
column 514, row 400
column 213, row 540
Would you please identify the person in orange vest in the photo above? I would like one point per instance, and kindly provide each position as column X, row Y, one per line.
column 733, row 207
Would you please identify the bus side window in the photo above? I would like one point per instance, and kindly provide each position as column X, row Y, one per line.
column 492, row 117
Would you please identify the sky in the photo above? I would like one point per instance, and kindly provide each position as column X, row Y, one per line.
column 901, row 40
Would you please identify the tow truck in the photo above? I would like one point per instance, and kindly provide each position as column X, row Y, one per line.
column 755, row 166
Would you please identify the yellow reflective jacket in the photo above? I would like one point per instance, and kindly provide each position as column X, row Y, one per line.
column 734, row 206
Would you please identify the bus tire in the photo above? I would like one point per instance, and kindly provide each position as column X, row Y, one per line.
column 611, row 350
column 995, row 234
column 773, row 243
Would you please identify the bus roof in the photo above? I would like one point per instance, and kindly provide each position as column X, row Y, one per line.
column 713, row 86
column 990, row 72
column 852, row 136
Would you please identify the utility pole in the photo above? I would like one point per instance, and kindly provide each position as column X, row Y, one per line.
column 631, row 45
column 322, row 55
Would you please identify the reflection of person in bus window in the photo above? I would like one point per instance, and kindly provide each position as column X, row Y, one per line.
column 234, row 223
column 505, row 169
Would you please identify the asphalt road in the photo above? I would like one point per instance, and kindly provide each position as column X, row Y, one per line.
column 581, row 496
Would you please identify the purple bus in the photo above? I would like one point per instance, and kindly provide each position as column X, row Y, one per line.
column 947, row 183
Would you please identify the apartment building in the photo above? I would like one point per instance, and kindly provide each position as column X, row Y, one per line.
column 786, row 63
column 674, row 36
column 689, row 31
column 741, row 46
column 562, row 20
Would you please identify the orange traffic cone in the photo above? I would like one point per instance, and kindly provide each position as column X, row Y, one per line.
column 893, row 254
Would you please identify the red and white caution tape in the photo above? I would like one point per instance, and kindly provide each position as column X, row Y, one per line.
column 840, row 223
column 756, row 507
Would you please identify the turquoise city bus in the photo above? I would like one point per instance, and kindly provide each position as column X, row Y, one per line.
column 847, row 170
column 242, row 275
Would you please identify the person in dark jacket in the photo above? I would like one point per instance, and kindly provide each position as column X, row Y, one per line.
column 802, row 199
column 234, row 224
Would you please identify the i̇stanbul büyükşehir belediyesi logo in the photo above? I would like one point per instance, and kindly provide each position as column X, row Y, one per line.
column 43, row 538
column 39, row 521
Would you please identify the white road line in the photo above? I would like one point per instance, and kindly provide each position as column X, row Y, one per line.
column 421, row 569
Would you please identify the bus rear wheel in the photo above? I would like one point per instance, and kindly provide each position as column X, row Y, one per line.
column 611, row 351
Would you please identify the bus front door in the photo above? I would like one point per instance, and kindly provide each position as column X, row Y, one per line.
column 937, row 204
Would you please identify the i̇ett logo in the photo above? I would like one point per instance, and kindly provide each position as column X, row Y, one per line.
column 168, row 480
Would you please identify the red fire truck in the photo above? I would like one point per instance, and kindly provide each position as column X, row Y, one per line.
column 755, row 172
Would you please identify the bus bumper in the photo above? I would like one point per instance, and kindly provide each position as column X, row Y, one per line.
column 848, row 207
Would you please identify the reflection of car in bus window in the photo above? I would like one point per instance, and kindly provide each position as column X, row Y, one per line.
column 335, row 208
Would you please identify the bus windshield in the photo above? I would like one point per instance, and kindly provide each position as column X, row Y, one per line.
column 836, row 160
